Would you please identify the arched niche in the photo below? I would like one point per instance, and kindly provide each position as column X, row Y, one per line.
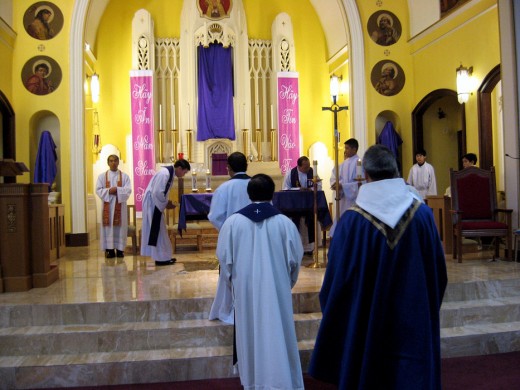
column 41, row 121
column 439, row 127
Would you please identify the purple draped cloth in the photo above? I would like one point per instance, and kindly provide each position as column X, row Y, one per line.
column 391, row 139
column 45, row 168
column 215, row 116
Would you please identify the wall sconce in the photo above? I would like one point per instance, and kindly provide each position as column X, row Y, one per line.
column 94, row 87
column 464, row 83
column 334, row 87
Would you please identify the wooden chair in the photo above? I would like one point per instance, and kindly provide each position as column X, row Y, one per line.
column 474, row 209
column 132, row 226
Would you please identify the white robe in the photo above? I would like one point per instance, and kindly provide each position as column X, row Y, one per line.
column 154, row 197
column 228, row 198
column 350, row 186
column 423, row 179
column 261, row 261
column 114, row 237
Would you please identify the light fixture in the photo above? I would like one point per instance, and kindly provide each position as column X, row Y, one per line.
column 334, row 87
column 96, row 143
column 94, row 87
column 464, row 83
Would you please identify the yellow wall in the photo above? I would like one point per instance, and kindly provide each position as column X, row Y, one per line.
column 29, row 106
column 7, row 40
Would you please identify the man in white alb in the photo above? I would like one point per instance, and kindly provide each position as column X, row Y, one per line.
column 113, row 187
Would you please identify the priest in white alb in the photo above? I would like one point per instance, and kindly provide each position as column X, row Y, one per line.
column 113, row 187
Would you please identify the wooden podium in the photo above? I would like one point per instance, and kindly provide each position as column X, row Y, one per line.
column 24, row 233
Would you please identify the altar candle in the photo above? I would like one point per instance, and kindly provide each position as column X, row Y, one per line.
column 160, row 117
column 189, row 119
column 173, row 116
column 358, row 168
column 272, row 117
column 258, row 116
column 315, row 167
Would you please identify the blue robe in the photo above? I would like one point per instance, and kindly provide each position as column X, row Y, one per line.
column 380, row 300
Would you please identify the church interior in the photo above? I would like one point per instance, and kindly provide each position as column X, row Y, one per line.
column 71, row 317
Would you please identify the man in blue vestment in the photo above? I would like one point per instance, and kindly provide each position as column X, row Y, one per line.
column 382, row 289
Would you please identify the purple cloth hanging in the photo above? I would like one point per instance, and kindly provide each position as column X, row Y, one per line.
column 390, row 138
column 45, row 168
column 215, row 72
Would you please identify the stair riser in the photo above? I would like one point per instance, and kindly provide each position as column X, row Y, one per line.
column 117, row 312
column 479, row 315
column 480, row 344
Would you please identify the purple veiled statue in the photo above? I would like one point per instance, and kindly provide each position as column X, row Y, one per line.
column 391, row 139
column 45, row 168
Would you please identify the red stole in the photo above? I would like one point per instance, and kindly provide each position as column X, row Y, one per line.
column 106, row 205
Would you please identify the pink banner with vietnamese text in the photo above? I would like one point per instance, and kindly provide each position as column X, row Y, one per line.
column 288, row 120
column 141, row 92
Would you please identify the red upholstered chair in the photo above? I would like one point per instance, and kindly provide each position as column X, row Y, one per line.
column 474, row 209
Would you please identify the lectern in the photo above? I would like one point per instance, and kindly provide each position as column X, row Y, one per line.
column 24, row 233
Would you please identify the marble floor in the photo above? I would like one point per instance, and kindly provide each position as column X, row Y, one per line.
column 86, row 276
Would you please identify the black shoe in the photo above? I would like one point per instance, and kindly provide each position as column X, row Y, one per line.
column 109, row 254
column 167, row 262
column 119, row 253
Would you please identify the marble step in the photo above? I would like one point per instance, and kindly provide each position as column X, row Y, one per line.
column 128, row 311
column 480, row 311
column 111, row 368
column 130, row 336
column 482, row 290
column 480, row 339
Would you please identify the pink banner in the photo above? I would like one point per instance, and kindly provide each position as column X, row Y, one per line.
column 141, row 92
column 288, row 120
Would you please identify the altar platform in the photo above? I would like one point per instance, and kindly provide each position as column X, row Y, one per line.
column 120, row 322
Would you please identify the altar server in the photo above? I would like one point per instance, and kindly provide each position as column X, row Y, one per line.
column 229, row 197
column 260, row 253
column 154, row 239
column 113, row 187
column 382, row 289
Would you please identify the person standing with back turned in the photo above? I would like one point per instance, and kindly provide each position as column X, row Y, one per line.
column 260, row 252
column 229, row 197
column 383, row 289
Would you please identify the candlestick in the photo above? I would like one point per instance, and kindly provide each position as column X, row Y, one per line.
column 194, row 182
column 208, row 181
column 315, row 168
column 274, row 145
column 160, row 116
column 358, row 168
column 272, row 117
column 259, row 144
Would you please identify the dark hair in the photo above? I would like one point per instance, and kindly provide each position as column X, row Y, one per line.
column 237, row 162
column 184, row 164
column 260, row 188
column 42, row 12
column 302, row 159
column 380, row 163
column 42, row 65
column 113, row 155
column 471, row 157
column 353, row 143
column 422, row 152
